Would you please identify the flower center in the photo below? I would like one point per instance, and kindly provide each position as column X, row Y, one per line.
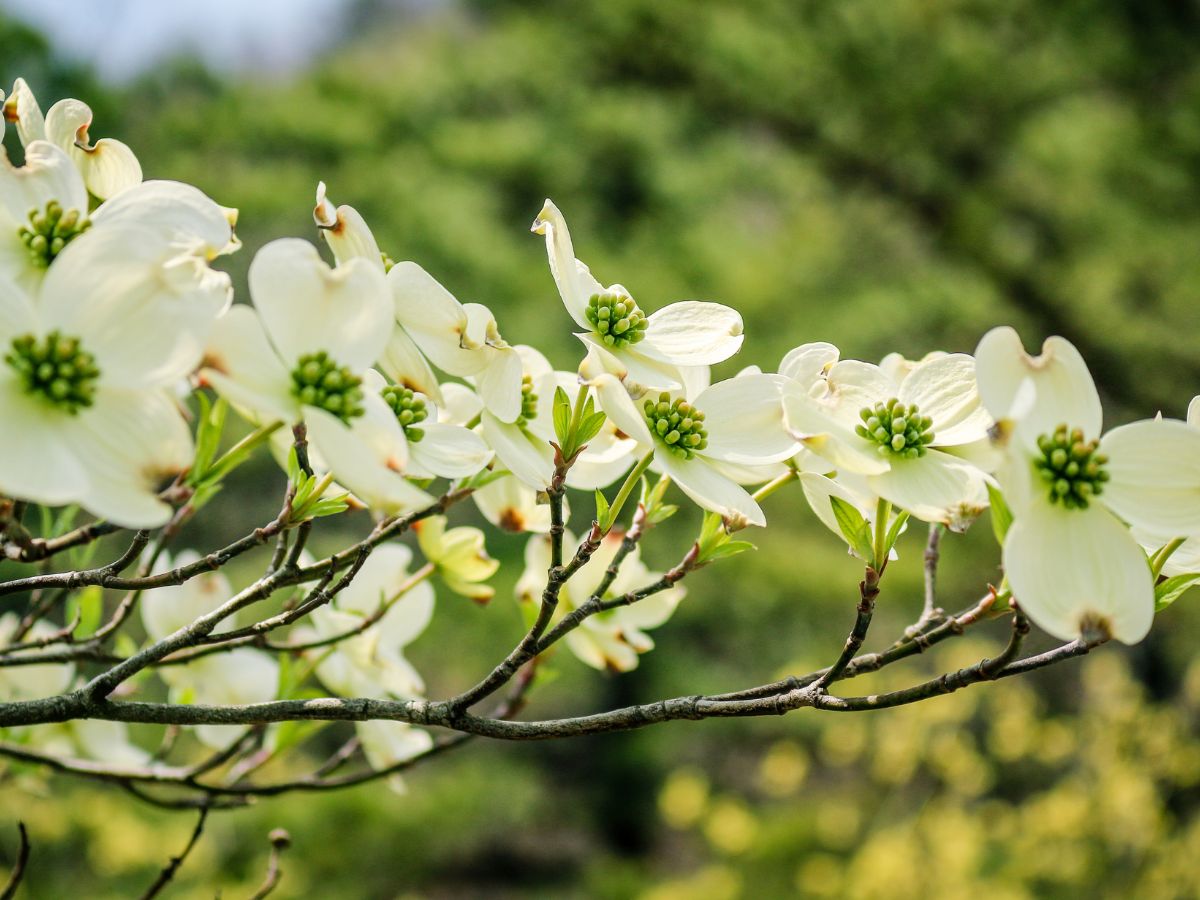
column 1071, row 467
column 677, row 424
column 617, row 318
column 57, row 368
column 898, row 430
column 318, row 381
column 409, row 407
column 48, row 232
column 529, row 401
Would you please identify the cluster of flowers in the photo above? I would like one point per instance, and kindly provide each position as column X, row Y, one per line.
column 110, row 317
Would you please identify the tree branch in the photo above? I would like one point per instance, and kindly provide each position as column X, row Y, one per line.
column 165, row 876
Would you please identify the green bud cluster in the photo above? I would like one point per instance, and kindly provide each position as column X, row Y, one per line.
column 318, row 381
column 897, row 429
column 617, row 318
column 57, row 368
column 677, row 424
column 1071, row 467
column 50, row 231
column 409, row 407
column 529, row 401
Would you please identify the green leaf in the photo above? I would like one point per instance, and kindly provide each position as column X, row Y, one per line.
column 295, row 476
column 590, row 427
column 1001, row 515
column 602, row 511
column 562, row 417
column 854, row 528
column 661, row 512
column 893, row 533
column 1170, row 590
column 208, row 436
column 726, row 549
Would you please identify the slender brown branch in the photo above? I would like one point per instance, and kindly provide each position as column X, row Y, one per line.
column 168, row 872
column 868, row 590
column 38, row 549
column 18, row 871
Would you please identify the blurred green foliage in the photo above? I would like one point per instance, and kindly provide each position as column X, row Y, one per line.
column 895, row 175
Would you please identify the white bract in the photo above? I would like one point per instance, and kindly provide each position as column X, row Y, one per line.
column 899, row 434
column 649, row 350
column 611, row 639
column 738, row 421
column 1069, row 556
column 461, row 339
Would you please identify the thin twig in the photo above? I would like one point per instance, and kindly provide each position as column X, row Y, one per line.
column 868, row 591
column 280, row 841
column 168, row 872
column 18, row 871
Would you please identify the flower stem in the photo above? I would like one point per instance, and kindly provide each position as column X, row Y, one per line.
column 626, row 489
column 1164, row 553
column 775, row 484
column 883, row 511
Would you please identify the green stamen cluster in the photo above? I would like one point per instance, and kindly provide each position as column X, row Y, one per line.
column 57, row 368
column 678, row 424
column 617, row 318
column 318, row 381
column 49, row 232
column 529, row 401
column 409, row 408
column 1071, row 467
column 899, row 430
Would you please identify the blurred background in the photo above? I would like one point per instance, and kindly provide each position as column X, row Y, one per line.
column 897, row 175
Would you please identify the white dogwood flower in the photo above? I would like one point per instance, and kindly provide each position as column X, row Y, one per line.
column 738, row 421
column 87, row 416
column 107, row 167
column 1070, row 559
column 649, row 348
column 459, row 555
column 899, row 434
column 610, row 640
column 304, row 357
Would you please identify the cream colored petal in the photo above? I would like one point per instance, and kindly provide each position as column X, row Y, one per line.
column 575, row 283
column 744, row 417
column 1193, row 413
column 36, row 458
column 308, row 307
column 462, row 405
column 405, row 365
column 182, row 214
column 851, row 386
column 810, row 422
column 499, row 384
column 408, row 617
column 692, row 333
column 616, row 403
column 934, row 488
column 637, row 371
column 22, row 108
column 48, row 174
column 435, row 321
column 108, row 167
column 944, row 389
column 1064, row 392
column 130, row 443
column 449, row 451
column 528, row 458
column 510, row 504
column 1069, row 567
column 809, row 363
column 710, row 489
column 345, row 231
column 387, row 743
column 1155, row 476
column 245, row 369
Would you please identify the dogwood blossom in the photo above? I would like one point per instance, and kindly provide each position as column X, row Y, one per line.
column 737, row 421
column 649, row 349
column 1069, row 557
column 107, row 167
column 899, row 434
column 459, row 556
